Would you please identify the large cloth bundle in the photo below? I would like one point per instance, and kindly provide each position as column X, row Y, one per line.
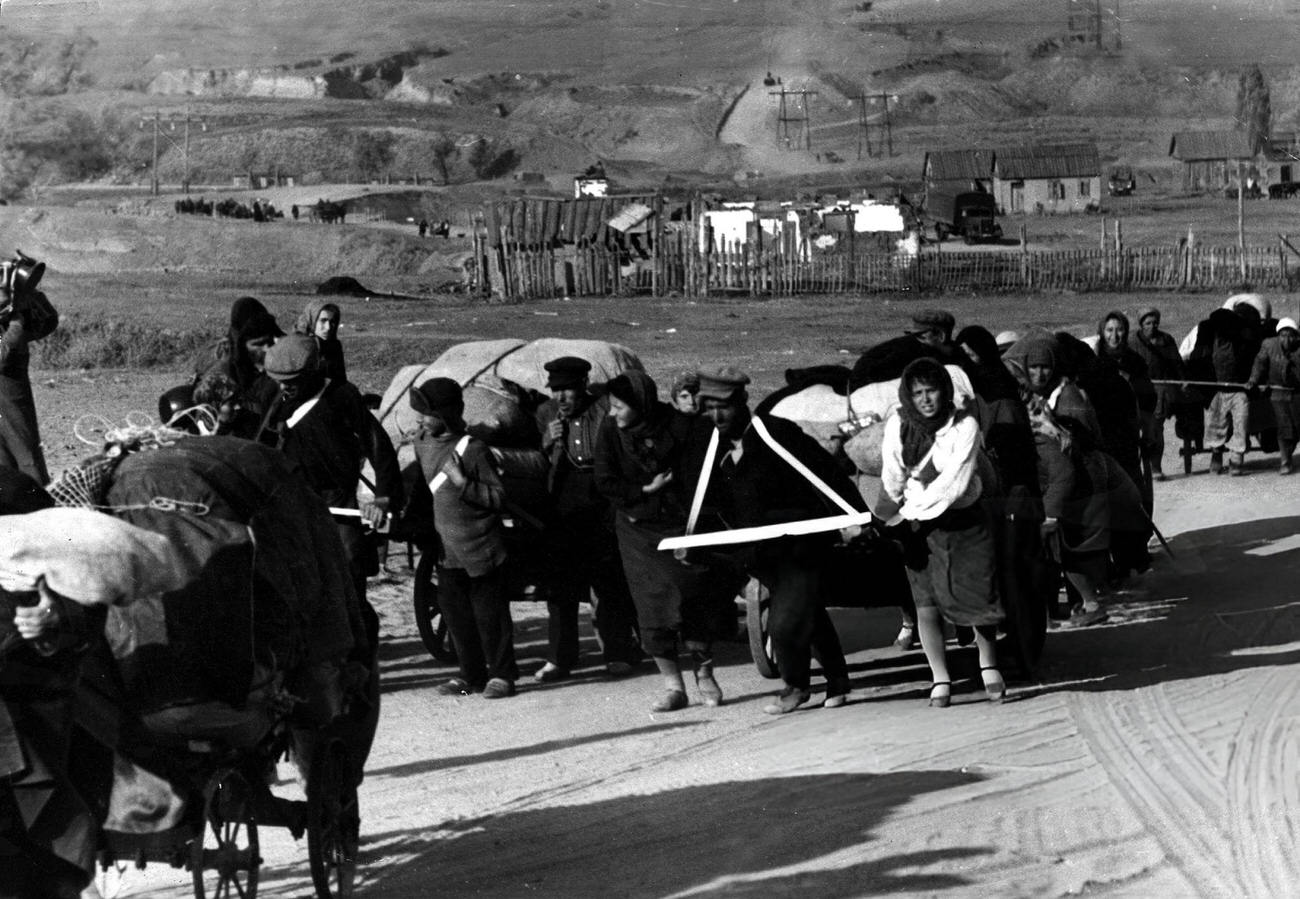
column 820, row 411
column 268, row 582
column 498, row 377
column 86, row 556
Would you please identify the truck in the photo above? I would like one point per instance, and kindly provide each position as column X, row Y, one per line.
column 970, row 214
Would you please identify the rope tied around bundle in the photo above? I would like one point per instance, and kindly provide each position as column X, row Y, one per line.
column 86, row 484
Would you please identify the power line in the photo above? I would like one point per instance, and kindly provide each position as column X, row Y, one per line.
column 156, row 120
column 794, row 113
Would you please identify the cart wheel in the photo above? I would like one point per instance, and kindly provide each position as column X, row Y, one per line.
column 428, row 617
column 760, row 642
column 230, row 867
column 333, row 822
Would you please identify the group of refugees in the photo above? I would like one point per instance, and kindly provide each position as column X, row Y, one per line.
column 1012, row 465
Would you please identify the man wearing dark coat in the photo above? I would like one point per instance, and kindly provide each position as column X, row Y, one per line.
column 751, row 485
column 581, row 529
column 930, row 335
column 324, row 427
column 20, row 439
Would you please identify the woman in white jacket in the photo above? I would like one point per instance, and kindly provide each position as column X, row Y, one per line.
column 931, row 472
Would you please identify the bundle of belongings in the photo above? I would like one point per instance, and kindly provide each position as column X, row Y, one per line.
column 503, row 382
column 854, row 420
column 233, row 607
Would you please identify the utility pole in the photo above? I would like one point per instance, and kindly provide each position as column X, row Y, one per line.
column 800, row 117
column 156, row 121
column 864, row 126
column 888, row 144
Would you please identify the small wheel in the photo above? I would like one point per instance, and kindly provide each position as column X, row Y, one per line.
column 428, row 617
column 230, row 867
column 333, row 822
column 756, row 599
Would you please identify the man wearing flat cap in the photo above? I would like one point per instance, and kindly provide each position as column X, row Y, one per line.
column 928, row 336
column 1159, row 350
column 581, row 530
column 323, row 426
column 467, row 502
column 750, row 485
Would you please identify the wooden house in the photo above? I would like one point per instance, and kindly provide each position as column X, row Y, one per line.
column 957, row 171
column 1047, row 178
column 1211, row 159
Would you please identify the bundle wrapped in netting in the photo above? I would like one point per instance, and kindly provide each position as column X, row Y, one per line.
column 272, row 586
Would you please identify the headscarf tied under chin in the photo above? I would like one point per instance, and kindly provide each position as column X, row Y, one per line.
column 638, row 390
column 306, row 323
column 917, row 431
column 1038, row 350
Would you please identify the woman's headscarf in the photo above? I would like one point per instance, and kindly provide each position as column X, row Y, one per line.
column 638, row 390
column 917, row 431
column 1101, row 328
column 1036, row 349
column 254, row 322
column 989, row 376
column 306, row 323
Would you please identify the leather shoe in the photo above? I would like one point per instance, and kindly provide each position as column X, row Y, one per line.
column 498, row 688
column 618, row 669
column 670, row 701
column 787, row 701
column 550, row 673
column 457, row 686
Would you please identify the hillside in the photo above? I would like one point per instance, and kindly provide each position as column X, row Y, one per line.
column 672, row 85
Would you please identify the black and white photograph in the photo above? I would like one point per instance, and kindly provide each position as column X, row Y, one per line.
column 649, row 449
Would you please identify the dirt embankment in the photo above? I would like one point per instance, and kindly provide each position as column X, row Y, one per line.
column 79, row 241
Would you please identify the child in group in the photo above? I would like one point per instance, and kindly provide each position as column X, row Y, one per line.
column 467, row 502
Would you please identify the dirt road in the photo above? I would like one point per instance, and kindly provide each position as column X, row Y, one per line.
column 1156, row 756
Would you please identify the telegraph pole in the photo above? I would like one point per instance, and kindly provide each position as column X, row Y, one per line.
column 156, row 121
column 800, row 118
column 864, row 126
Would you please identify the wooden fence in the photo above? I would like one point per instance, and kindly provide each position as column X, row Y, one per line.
column 677, row 266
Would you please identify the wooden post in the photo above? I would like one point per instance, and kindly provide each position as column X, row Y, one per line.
column 1189, row 248
column 656, row 235
column 853, row 250
column 1241, row 218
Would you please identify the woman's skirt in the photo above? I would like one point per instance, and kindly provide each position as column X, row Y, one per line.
column 956, row 569
column 658, row 582
column 1286, row 409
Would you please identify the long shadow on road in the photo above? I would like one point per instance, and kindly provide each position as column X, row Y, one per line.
column 1226, row 602
column 425, row 766
column 796, row 836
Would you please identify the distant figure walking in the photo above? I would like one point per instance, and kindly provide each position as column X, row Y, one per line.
column 294, row 211
column 424, row 227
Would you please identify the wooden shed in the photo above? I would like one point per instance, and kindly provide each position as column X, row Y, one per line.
column 1211, row 158
column 957, row 171
column 1047, row 178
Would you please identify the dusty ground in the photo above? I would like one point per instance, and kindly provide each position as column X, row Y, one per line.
column 1156, row 756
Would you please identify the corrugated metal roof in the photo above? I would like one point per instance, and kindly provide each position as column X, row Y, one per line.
column 1189, row 146
column 957, row 165
column 1047, row 161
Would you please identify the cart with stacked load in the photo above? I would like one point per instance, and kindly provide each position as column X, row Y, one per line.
column 261, row 651
column 503, row 382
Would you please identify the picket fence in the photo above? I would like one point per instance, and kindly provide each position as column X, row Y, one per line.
column 676, row 266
